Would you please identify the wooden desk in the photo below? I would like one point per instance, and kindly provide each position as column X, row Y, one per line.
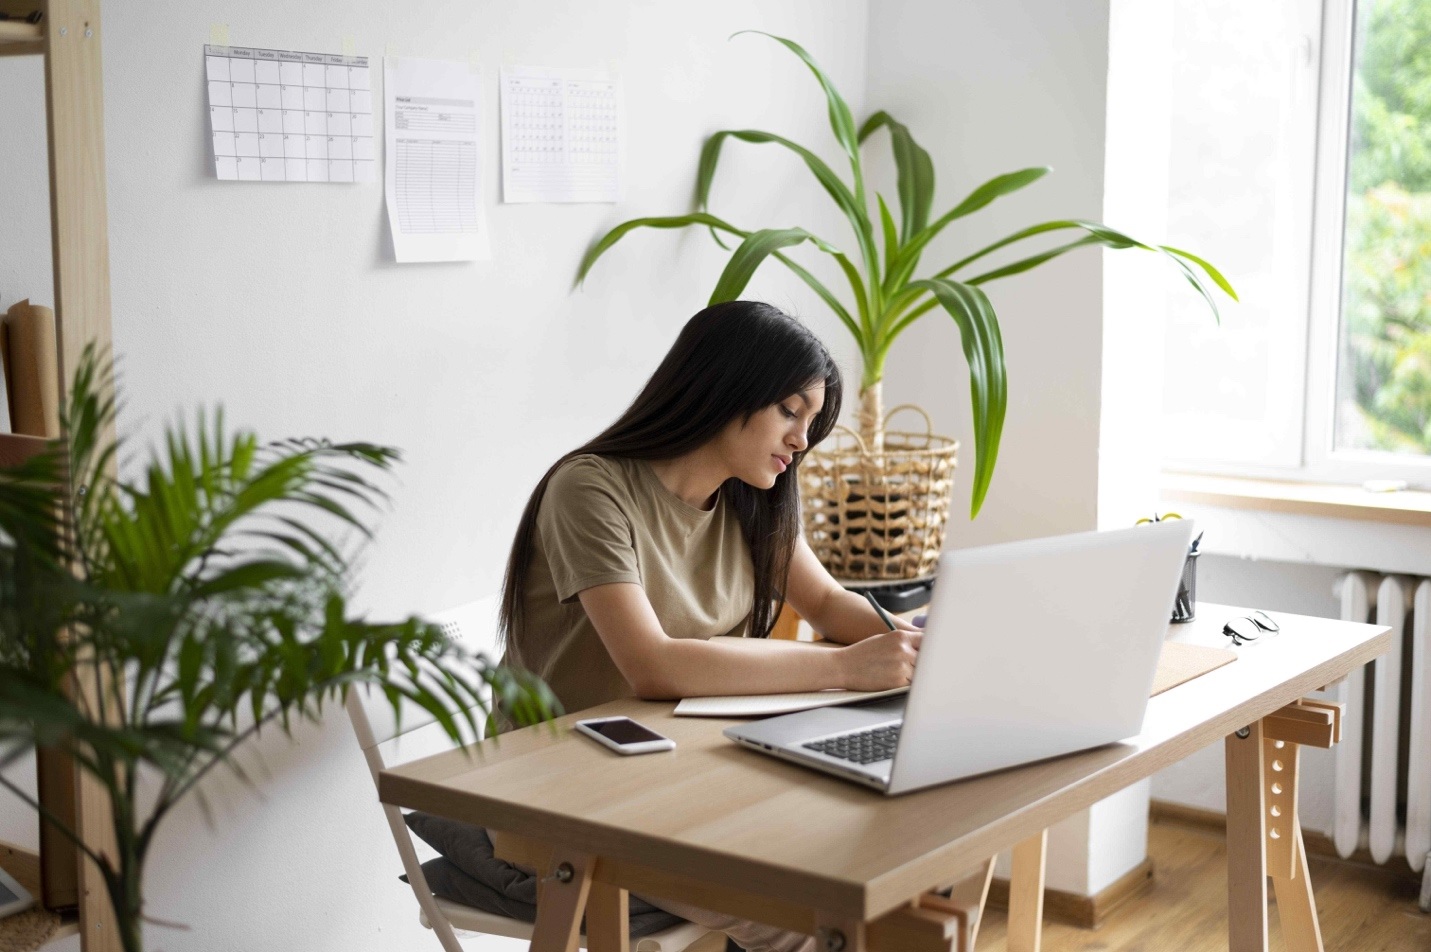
column 753, row 836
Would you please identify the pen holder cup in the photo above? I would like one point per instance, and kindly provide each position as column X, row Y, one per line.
column 1187, row 590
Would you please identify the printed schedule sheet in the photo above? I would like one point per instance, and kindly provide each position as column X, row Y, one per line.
column 561, row 135
column 432, row 126
column 281, row 116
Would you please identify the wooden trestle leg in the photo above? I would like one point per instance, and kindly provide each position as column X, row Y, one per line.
column 561, row 900
column 1026, row 894
column 935, row 922
column 1262, row 819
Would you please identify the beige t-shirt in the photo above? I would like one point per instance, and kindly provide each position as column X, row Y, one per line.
column 605, row 520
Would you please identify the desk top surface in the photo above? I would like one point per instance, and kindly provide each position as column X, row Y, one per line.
column 745, row 820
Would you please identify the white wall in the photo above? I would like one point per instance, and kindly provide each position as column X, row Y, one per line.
column 281, row 302
column 989, row 88
column 1134, row 301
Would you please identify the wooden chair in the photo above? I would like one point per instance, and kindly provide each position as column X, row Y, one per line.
column 378, row 730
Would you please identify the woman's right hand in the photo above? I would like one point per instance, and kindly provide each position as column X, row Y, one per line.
column 881, row 662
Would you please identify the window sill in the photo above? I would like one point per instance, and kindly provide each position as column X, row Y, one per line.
column 1332, row 501
column 1307, row 523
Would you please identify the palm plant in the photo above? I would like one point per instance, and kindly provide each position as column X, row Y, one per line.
column 147, row 629
column 886, row 294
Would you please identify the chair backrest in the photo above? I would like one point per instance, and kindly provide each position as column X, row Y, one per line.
column 475, row 626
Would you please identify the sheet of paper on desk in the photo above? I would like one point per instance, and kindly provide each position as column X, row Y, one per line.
column 432, row 174
column 1177, row 664
column 761, row 705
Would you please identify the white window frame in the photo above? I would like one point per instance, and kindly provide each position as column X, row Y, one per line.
column 1319, row 462
column 1223, row 446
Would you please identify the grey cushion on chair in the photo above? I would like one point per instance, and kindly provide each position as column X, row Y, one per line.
column 469, row 848
column 448, row 882
column 469, row 872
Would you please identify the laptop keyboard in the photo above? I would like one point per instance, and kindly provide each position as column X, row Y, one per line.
column 862, row 747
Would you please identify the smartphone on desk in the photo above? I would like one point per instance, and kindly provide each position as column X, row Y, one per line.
column 624, row 735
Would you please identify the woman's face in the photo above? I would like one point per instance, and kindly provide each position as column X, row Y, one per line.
column 758, row 450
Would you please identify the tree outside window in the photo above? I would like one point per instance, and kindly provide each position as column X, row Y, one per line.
column 1383, row 398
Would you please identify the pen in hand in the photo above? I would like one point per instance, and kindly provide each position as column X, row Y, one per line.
column 889, row 624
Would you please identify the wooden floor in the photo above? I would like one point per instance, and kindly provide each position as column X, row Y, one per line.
column 1361, row 908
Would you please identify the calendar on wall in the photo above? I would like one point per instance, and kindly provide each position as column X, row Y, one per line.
column 561, row 135
column 281, row 116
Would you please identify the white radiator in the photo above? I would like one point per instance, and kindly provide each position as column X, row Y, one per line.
column 1382, row 802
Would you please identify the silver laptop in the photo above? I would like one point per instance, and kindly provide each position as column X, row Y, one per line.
column 1032, row 649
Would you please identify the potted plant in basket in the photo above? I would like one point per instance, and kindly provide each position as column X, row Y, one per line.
column 149, row 628
column 878, row 511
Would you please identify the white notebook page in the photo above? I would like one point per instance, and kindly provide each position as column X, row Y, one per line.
column 759, row 705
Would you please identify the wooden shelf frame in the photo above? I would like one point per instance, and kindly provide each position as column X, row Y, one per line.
column 69, row 38
column 24, row 865
column 18, row 38
column 15, row 448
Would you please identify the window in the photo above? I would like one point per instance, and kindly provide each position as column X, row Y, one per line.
column 1300, row 163
column 1243, row 94
column 1383, row 377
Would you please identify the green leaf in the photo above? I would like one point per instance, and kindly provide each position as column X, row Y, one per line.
column 248, row 575
column 891, row 238
column 752, row 252
column 914, row 171
column 1212, row 272
column 852, row 207
column 670, row 221
column 710, row 221
column 1096, row 233
column 842, row 121
column 833, row 185
column 988, row 386
column 829, row 298
column 1192, row 279
column 996, row 187
column 1033, row 261
column 1106, row 236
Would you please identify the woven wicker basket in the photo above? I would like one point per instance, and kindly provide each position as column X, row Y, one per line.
column 879, row 515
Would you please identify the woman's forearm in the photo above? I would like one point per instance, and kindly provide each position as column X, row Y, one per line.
column 690, row 667
column 847, row 618
column 658, row 666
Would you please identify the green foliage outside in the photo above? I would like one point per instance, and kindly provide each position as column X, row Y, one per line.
column 1384, row 385
column 1386, row 366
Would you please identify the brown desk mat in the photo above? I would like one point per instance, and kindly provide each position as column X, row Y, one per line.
column 1180, row 662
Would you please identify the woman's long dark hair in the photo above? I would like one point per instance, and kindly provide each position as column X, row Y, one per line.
column 730, row 361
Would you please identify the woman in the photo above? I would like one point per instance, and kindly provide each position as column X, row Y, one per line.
column 681, row 522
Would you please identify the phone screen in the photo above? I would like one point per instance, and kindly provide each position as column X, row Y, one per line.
column 623, row 730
